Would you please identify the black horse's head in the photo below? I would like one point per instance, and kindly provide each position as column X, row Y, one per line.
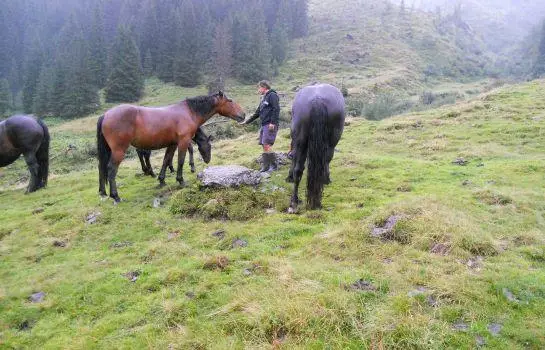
column 204, row 144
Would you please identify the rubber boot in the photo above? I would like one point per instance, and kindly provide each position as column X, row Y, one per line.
column 265, row 162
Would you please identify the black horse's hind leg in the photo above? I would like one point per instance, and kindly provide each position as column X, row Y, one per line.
column 191, row 161
column 148, row 165
column 167, row 160
column 298, row 165
column 142, row 162
column 33, row 168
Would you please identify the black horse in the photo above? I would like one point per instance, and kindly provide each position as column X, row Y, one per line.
column 316, row 127
column 25, row 135
column 200, row 138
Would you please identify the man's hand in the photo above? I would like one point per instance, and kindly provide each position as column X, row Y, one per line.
column 271, row 127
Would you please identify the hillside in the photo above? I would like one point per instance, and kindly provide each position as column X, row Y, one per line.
column 463, row 266
column 373, row 48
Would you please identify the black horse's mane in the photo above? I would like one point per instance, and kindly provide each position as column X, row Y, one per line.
column 202, row 104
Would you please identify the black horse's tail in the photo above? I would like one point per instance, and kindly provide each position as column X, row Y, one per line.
column 104, row 152
column 42, row 156
column 318, row 145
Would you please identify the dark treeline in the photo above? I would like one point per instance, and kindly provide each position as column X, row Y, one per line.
column 55, row 55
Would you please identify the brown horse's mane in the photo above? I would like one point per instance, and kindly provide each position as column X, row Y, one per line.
column 202, row 105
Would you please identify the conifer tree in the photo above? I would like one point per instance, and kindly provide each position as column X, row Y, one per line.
column 147, row 65
column 300, row 18
column 539, row 66
column 223, row 57
column 97, row 46
column 126, row 81
column 187, row 64
column 76, row 94
column 33, row 67
column 44, row 90
column 5, row 98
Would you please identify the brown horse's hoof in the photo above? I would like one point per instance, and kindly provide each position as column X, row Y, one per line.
column 161, row 184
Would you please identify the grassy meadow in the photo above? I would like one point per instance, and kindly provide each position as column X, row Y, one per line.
column 463, row 266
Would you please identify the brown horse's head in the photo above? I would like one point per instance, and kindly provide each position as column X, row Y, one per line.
column 228, row 108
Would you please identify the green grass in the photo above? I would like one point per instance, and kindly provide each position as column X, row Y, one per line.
column 290, row 286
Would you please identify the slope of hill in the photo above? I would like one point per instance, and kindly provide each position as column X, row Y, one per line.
column 463, row 265
column 372, row 47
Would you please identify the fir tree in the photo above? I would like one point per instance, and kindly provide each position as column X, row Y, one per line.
column 33, row 67
column 147, row 65
column 126, row 81
column 44, row 90
column 187, row 66
column 300, row 18
column 223, row 57
column 5, row 98
column 77, row 94
column 279, row 44
column 97, row 46
column 539, row 66
column 251, row 48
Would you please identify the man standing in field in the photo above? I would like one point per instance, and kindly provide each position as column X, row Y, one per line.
column 268, row 112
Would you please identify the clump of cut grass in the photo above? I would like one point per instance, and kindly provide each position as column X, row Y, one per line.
column 233, row 204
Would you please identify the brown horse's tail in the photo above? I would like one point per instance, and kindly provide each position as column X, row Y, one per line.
column 104, row 152
column 318, row 145
column 42, row 156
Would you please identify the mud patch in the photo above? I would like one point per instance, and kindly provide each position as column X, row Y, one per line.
column 239, row 243
column 390, row 230
column 492, row 198
column 495, row 329
column 132, row 275
column 59, row 244
column 362, row 285
column 217, row 263
column 442, row 249
column 123, row 244
column 37, row 297
column 460, row 326
column 92, row 218
column 219, row 234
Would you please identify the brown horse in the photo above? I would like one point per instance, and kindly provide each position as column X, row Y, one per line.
column 169, row 127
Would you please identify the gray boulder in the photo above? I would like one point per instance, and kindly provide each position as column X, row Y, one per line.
column 229, row 176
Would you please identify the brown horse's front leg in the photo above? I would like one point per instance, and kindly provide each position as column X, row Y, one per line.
column 167, row 160
column 182, row 149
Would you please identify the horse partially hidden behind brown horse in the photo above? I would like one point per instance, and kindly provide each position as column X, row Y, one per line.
column 203, row 143
column 169, row 127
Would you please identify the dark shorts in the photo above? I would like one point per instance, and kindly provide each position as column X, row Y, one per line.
column 266, row 136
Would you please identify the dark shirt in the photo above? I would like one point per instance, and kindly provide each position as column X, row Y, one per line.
column 268, row 110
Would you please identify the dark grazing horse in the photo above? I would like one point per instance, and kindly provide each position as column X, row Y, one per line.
column 170, row 127
column 22, row 134
column 316, row 127
column 200, row 138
